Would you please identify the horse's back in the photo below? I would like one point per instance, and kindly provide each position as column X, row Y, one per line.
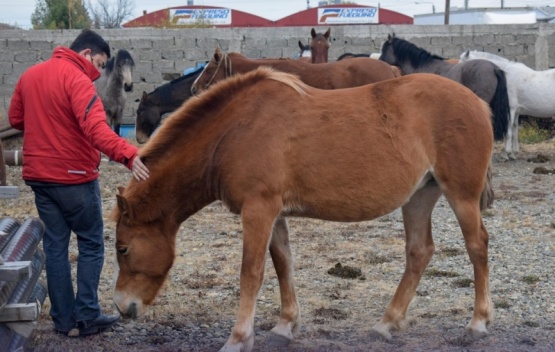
column 357, row 71
column 384, row 138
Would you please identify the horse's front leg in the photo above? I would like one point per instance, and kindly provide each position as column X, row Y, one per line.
column 289, row 321
column 258, row 220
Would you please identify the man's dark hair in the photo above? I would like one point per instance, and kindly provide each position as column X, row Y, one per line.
column 89, row 39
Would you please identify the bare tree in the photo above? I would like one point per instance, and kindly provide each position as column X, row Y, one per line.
column 110, row 13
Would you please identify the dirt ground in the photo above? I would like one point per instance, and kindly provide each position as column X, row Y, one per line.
column 196, row 309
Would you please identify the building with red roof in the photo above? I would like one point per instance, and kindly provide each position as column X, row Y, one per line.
column 209, row 16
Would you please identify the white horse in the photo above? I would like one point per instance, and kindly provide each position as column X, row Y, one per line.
column 530, row 93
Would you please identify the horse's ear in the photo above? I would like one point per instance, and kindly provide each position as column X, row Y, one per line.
column 123, row 207
column 144, row 97
column 121, row 190
column 301, row 46
column 390, row 38
column 327, row 34
column 466, row 54
column 313, row 33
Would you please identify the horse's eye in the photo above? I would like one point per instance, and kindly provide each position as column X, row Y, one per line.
column 122, row 250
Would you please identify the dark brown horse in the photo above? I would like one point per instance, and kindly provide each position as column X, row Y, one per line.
column 333, row 75
column 319, row 46
column 484, row 78
column 269, row 146
column 164, row 99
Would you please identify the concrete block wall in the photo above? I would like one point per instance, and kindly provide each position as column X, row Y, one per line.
column 161, row 55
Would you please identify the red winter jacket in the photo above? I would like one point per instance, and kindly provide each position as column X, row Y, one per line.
column 56, row 105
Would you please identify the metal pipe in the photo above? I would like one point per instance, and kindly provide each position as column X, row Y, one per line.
column 39, row 294
column 24, row 288
column 21, row 247
column 8, row 227
column 13, row 157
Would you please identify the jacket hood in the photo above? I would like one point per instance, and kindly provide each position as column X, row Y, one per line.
column 85, row 65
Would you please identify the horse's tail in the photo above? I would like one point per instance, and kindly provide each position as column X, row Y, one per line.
column 500, row 106
column 487, row 196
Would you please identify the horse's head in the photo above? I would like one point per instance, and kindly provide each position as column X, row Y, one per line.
column 148, row 118
column 388, row 54
column 217, row 69
column 319, row 46
column 145, row 250
column 125, row 65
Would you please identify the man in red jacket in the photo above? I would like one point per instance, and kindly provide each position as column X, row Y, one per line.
column 56, row 105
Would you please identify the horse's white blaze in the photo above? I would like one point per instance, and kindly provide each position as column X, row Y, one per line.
column 199, row 76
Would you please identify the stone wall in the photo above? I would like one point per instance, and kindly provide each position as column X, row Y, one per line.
column 161, row 55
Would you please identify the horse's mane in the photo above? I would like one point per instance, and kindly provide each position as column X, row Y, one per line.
column 164, row 89
column 122, row 55
column 407, row 51
column 198, row 108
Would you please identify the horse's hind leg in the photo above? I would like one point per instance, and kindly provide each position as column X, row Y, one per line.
column 289, row 321
column 476, row 241
column 419, row 248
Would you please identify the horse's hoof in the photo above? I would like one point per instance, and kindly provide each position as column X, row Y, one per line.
column 378, row 334
column 476, row 334
column 275, row 340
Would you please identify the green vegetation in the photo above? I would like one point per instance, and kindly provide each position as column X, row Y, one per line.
column 60, row 14
column 531, row 279
column 502, row 304
column 530, row 133
column 441, row 273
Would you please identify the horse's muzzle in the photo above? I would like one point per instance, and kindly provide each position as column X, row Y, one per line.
column 128, row 87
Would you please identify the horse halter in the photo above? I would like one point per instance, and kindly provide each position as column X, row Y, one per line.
column 227, row 70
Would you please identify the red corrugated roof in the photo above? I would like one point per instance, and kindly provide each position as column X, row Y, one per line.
column 309, row 17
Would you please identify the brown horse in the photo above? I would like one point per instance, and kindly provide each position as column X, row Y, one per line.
column 319, row 46
column 333, row 75
column 345, row 155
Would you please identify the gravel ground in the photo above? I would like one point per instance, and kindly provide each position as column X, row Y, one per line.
column 196, row 310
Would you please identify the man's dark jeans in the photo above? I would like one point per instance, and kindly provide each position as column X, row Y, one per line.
column 63, row 209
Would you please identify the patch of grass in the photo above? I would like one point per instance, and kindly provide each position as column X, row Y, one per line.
column 531, row 279
column 502, row 304
column 375, row 258
column 464, row 282
column 455, row 311
column 532, row 324
column 488, row 213
column 451, row 252
column 332, row 313
column 530, row 133
column 441, row 273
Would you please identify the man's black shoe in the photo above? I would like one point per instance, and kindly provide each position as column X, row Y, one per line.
column 95, row 326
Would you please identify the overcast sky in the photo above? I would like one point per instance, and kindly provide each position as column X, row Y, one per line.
column 18, row 12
